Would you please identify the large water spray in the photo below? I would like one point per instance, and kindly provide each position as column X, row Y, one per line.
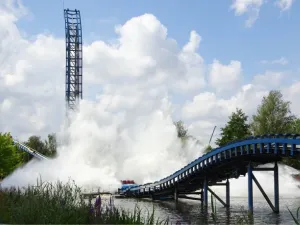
column 100, row 148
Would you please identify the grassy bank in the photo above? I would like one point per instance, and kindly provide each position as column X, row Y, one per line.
column 61, row 204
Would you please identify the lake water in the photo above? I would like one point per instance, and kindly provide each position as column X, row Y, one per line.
column 190, row 212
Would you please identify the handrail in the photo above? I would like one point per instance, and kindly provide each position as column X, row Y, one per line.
column 29, row 150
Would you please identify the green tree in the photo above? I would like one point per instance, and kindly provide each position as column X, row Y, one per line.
column 296, row 126
column 236, row 128
column 37, row 144
column 51, row 145
column 294, row 161
column 273, row 115
column 182, row 133
column 208, row 149
column 181, row 130
column 47, row 147
column 10, row 156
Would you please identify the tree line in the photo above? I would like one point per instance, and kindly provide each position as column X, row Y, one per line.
column 273, row 116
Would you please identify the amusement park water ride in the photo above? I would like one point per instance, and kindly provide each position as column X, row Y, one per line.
column 126, row 185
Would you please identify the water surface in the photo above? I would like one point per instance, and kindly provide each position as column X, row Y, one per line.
column 190, row 211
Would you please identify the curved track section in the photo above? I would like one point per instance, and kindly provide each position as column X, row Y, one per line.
column 230, row 161
column 29, row 150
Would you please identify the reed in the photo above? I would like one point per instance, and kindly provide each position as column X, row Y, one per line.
column 61, row 203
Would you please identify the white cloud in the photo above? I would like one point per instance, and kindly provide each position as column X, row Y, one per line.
column 206, row 106
column 281, row 61
column 138, row 84
column 203, row 105
column 251, row 7
column 225, row 77
column 284, row 4
column 292, row 94
column 146, row 57
column 193, row 44
column 269, row 79
column 31, row 77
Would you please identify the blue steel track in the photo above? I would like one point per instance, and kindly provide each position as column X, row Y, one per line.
column 223, row 163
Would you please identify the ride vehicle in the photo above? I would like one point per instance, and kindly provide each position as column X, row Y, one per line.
column 126, row 185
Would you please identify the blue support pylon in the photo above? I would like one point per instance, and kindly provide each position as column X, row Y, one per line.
column 227, row 193
column 176, row 194
column 252, row 178
column 276, row 188
column 250, row 189
column 205, row 193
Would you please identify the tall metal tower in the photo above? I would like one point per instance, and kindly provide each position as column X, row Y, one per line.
column 73, row 58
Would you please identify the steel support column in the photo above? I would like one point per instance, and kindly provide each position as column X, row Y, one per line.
column 175, row 194
column 250, row 189
column 251, row 178
column 276, row 188
column 205, row 193
column 227, row 193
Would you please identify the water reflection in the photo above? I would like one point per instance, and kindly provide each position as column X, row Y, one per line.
column 191, row 212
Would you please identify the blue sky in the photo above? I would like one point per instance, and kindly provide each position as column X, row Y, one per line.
column 224, row 35
column 144, row 69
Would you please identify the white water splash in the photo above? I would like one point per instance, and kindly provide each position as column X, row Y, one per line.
column 104, row 148
column 101, row 148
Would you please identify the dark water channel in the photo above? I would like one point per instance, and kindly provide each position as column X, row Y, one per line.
column 190, row 212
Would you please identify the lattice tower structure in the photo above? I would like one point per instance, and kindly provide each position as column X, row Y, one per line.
column 73, row 31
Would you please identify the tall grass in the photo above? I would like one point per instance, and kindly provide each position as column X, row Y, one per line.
column 61, row 203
